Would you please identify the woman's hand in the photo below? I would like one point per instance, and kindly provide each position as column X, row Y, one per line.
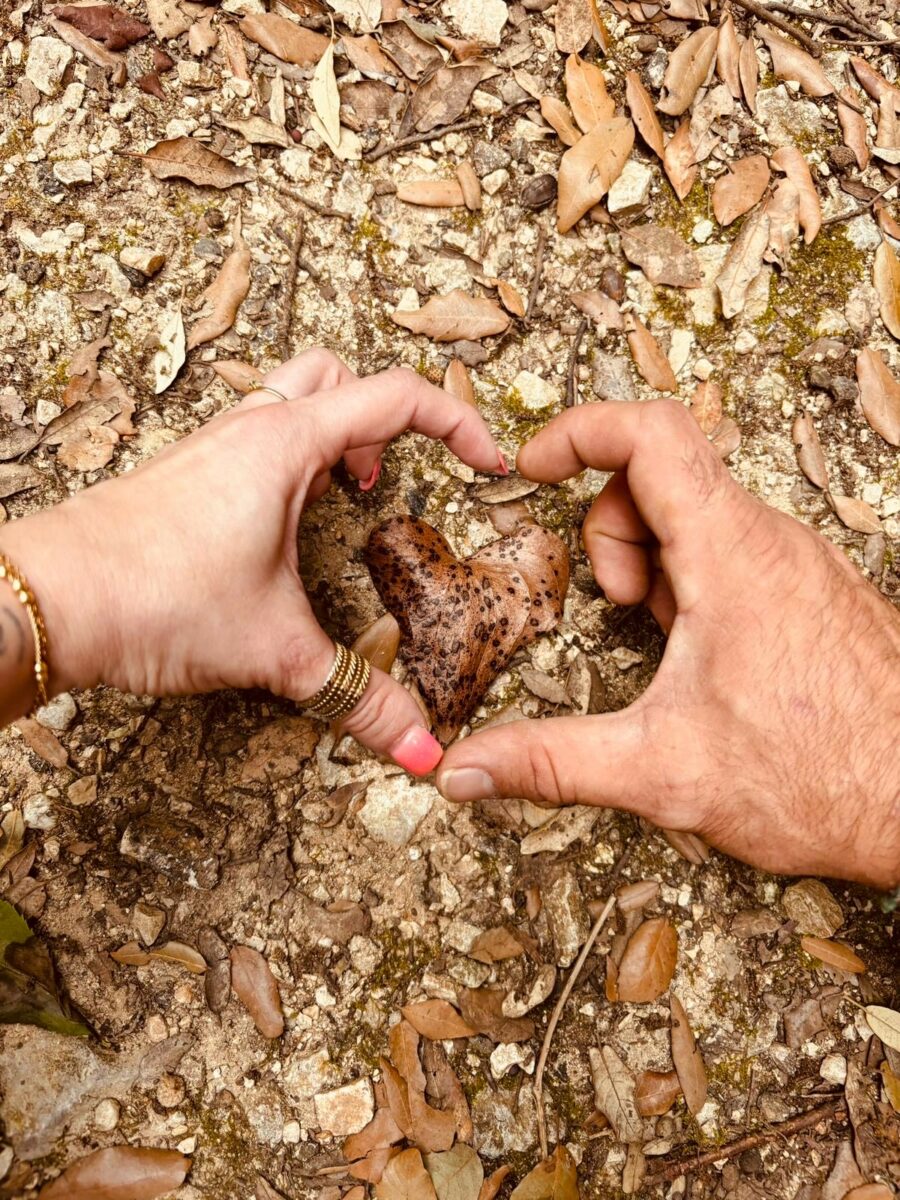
column 182, row 576
column 772, row 726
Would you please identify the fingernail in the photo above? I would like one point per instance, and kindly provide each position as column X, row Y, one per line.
column 417, row 751
column 502, row 468
column 367, row 484
column 467, row 783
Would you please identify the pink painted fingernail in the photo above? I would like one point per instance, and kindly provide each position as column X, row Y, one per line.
column 502, row 468
column 367, row 484
column 417, row 751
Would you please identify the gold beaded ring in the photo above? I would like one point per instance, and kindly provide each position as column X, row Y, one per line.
column 25, row 595
column 343, row 689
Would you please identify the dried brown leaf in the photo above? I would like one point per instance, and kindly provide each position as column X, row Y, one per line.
column 256, row 988
column 633, row 896
column 445, row 1089
column 404, row 1049
column 17, row 477
column 792, row 63
column 454, row 316
column 117, row 30
column 783, row 210
column 687, row 70
column 643, row 113
column 458, row 383
column 184, row 956
column 791, row 161
column 853, row 127
column 655, row 1092
column 748, row 67
column 432, row 193
column 509, row 297
column 648, row 963
column 496, row 945
column 471, row 185
column 743, row 263
column 614, row 1093
column 405, row 1178
column 225, row 295
column 185, row 158
column 120, row 1173
column 833, row 954
column 873, row 81
column 379, row 642
column 557, row 115
column 886, row 278
column 457, row 1174
column 600, row 308
column 494, row 1182
column 131, row 954
column 728, row 53
column 482, row 1008
column 678, row 160
column 648, row 356
column 691, row 848
column 382, row 1131
column 855, row 514
column 573, row 25
column 809, row 450
column 662, row 255
column 437, row 1020
column 687, row 1058
column 879, row 395
column 884, row 1023
column 869, row 1191
column 736, row 192
column 590, row 168
column 285, row 38
column 586, row 92
column 43, row 742
column 444, row 96
column 706, row 405
column 83, row 371
column 239, row 375
column 556, row 1178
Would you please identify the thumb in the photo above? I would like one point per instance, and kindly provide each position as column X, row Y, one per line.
column 388, row 721
column 563, row 760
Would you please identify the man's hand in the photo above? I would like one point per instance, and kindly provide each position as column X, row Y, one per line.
column 772, row 727
column 182, row 576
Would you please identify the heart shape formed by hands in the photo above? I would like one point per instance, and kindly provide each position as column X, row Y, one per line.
column 463, row 620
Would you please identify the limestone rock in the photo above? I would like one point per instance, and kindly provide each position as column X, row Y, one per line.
column 143, row 259
column 73, row 171
column 347, row 1109
column 534, row 392
column 812, row 908
column 567, row 917
column 48, row 58
column 612, row 377
column 59, row 714
column 482, row 20
column 395, row 807
column 631, row 190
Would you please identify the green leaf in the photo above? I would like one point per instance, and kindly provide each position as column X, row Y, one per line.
column 28, row 991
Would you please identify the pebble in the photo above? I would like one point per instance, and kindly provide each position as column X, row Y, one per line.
column 83, row 791
column 631, row 190
column 37, row 812
column 703, row 368
column 834, row 1069
column 395, row 807
column 347, row 1109
column 46, row 411
column 170, row 1090
column 812, row 908
column 496, row 181
column 745, row 342
column 486, row 102
column 143, row 259
column 157, row 1030
column 48, row 58
column 488, row 157
column 147, row 922
column 290, row 1134
column 680, row 349
column 481, row 20
column 106, row 1115
column 612, row 379
column 59, row 714
column 567, row 916
column 703, row 231
column 73, row 171
column 625, row 658
column 534, row 392
column 507, row 1056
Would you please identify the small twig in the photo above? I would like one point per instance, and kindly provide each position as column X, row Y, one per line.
column 869, row 29
column 571, row 385
column 285, row 320
column 538, row 271
column 830, row 19
column 432, row 135
column 671, row 1170
column 322, row 209
column 864, row 208
column 766, row 14
column 538, row 1085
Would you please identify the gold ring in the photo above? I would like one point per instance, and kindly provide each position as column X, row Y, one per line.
column 264, row 387
column 344, row 687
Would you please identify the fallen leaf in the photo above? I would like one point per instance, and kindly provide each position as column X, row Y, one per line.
column 855, row 514
column 258, row 131
column 444, row 96
column 791, row 161
column 715, row 104
column 556, row 1178
column 433, row 193
column 691, row 848
column 783, row 210
column 886, row 222
column 655, row 1092
column 736, row 192
column 131, row 955
column 12, row 836
column 887, row 134
column 494, row 1182
column 460, row 48
column 185, row 956
column 29, row 994
column 495, row 945
column 614, row 1094
column 643, row 113
column 83, row 371
column 463, row 621
column 414, row 55
column 437, row 1020
column 687, row 70
column 728, row 52
column 809, row 450
column 884, row 1023
column 43, row 742
column 405, row 1178
column 557, row 115
column 869, row 1191
column 687, row 1058
column 886, row 279
column 634, row 1171
column 105, row 23
column 382, row 1131
column 471, row 185
column 678, row 160
column 706, row 405
column 404, row 1049
column 873, row 81
column 456, row 1174
column 185, row 158
column 792, row 63
column 202, row 37
column 482, row 1008
column 256, row 988
column 120, row 1173
column 833, row 954
column 662, row 255
column 454, row 316
column 648, row 356
column 169, row 358
column 648, row 963
column 590, row 168
column 225, row 295
column 586, row 92
column 573, row 25
column 748, row 67
column 891, row 1085
column 844, row 1174
column 17, row 477
column 285, row 38
column 239, row 375
column 743, row 263
column 602, row 310
column 853, row 127
column 509, row 297
column 360, row 16
column 231, row 44
column 444, row 1088
column 323, row 91
column 152, row 85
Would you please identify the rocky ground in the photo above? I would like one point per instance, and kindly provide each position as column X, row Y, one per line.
column 153, row 820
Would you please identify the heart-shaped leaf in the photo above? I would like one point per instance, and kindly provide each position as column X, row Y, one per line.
column 463, row 621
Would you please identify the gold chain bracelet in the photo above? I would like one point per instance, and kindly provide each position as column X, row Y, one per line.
column 19, row 585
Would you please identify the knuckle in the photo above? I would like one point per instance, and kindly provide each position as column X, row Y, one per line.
column 671, row 414
column 298, row 671
column 542, row 776
column 326, row 363
column 403, row 377
column 374, row 714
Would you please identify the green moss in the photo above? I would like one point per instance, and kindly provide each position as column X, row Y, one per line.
column 673, row 306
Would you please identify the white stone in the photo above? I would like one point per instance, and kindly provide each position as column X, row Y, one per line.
column 46, row 411
column 364, row 954
column 37, row 812
column 290, row 1134
column 703, row 368
column 143, row 259
column 194, row 74
column 106, row 1115
column 486, row 102
column 305, row 1075
column 631, row 190
column 48, row 58
column 509, row 1055
column 482, row 20
column 834, row 1069
column 493, row 183
column 62, row 710
column 395, row 807
column 295, row 163
column 73, row 171
column 703, row 231
column 625, row 658
column 680, row 349
column 534, row 392
column 347, row 1109
column 745, row 342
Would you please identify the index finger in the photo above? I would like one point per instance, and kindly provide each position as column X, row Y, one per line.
column 383, row 406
